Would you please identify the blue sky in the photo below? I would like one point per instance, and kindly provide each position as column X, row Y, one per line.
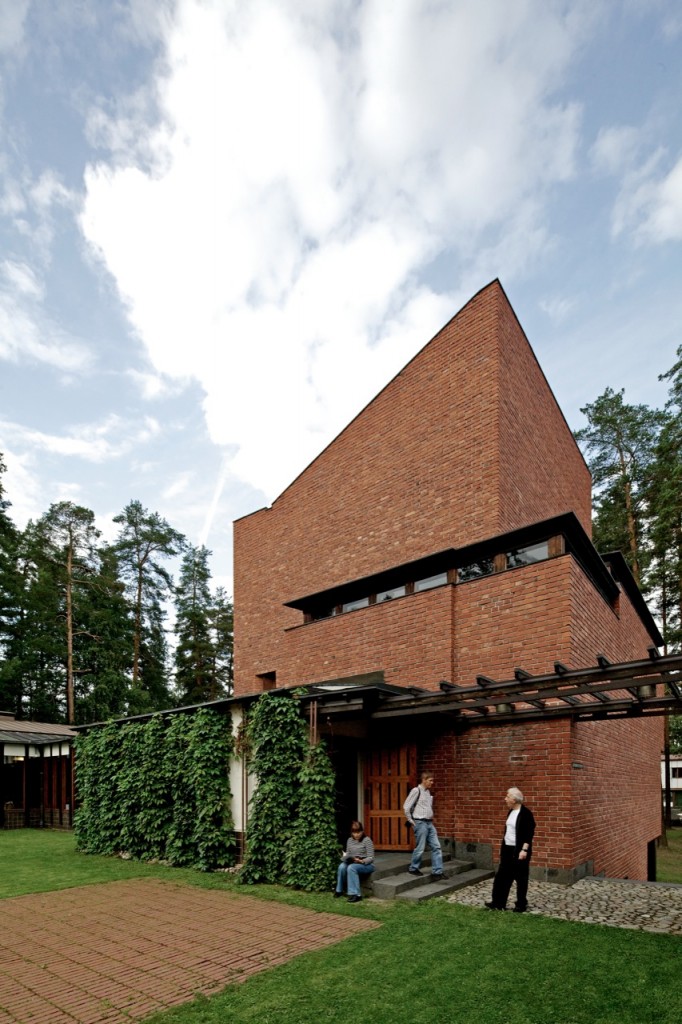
column 226, row 224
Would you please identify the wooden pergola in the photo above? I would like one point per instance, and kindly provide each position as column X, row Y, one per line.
column 607, row 690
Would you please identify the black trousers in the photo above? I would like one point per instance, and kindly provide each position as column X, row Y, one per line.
column 511, row 870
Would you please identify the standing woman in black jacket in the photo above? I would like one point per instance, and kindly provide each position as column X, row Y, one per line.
column 515, row 854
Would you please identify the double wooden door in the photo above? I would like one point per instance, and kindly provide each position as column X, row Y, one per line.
column 390, row 773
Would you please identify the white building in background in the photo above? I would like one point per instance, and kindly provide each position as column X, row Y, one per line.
column 675, row 784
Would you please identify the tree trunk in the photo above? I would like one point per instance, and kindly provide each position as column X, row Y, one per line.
column 70, row 699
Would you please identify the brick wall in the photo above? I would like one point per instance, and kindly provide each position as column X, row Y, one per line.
column 442, row 457
column 465, row 443
column 541, row 466
column 521, row 617
column 410, row 639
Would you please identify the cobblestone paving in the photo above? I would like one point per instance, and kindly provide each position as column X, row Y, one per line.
column 119, row 952
column 645, row 906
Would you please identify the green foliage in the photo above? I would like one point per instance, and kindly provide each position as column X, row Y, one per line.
column 619, row 441
column 222, row 632
column 98, row 767
column 312, row 854
column 203, row 656
column 83, row 624
column 158, row 791
column 130, row 783
column 144, row 541
column 179, row 850
column 278, row 736
column 292, row 833
column 156, row 808
column 675, row 726
column 210, row 750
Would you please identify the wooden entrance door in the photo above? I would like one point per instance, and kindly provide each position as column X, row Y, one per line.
column 390, row 773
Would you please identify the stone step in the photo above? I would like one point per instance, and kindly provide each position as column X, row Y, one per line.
column 419, row 893
column 387, row 864
column 388, row 887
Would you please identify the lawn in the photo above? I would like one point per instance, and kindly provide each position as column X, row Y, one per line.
column 428, row 964
column 669, row 858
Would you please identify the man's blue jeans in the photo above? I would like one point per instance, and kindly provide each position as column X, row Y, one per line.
column 350, row 874
column 425, row 832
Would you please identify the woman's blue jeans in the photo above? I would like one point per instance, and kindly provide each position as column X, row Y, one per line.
column 349, row 874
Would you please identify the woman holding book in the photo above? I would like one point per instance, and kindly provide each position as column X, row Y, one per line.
column 357, row 860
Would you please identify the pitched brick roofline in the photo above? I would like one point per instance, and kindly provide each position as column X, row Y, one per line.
column 494, row 284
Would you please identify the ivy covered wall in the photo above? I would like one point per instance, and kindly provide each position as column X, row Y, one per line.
column 158, row 789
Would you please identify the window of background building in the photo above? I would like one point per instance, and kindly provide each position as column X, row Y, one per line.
column 350, row 606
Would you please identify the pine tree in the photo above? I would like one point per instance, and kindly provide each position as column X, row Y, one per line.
column 66, row 548
column 222, row 632
column 145, row 539
column 103, row 692
column 194, row 654
column 619, row 442
column 10, row 607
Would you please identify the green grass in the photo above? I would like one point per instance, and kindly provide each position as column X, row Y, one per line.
column 427, row 964
column 669, row 859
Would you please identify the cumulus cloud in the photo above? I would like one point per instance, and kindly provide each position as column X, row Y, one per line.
column 268, row 206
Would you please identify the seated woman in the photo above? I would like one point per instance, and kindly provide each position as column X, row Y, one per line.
column 357, row 860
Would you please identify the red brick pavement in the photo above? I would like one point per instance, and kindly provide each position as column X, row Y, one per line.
column 108, row 954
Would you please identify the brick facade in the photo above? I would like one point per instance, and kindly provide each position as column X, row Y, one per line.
column 466, row 443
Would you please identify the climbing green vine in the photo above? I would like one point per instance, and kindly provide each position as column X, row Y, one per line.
column 312, row 854
column 158, row 790
column 292, row 833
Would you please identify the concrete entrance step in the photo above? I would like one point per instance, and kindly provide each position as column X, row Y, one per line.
column 386, row 864
column 417, row 894
column 391, row 879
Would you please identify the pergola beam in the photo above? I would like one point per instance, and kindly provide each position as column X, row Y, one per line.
column 607, row 691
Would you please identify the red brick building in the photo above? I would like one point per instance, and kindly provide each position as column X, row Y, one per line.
column 444, row 535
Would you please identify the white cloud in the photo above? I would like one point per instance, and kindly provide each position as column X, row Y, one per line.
column 267, row 236
column 22, row 485
column 12, row 19
column 27, row 334
column 557, row 307
column 95, row 442
column 663, row 218
column 649, row 203
column 153, row 386
column 615, row 148
column 21, row 279
column 177, row 486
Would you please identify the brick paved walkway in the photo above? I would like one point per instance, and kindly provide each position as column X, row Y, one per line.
column 122, row 951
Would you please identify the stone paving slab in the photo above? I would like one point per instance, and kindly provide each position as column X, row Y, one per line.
column 118, row 952
column 644, row 906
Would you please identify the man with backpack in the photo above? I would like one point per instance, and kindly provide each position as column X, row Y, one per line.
column 418, row 809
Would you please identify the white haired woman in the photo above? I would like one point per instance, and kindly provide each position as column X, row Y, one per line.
column 515, row 854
